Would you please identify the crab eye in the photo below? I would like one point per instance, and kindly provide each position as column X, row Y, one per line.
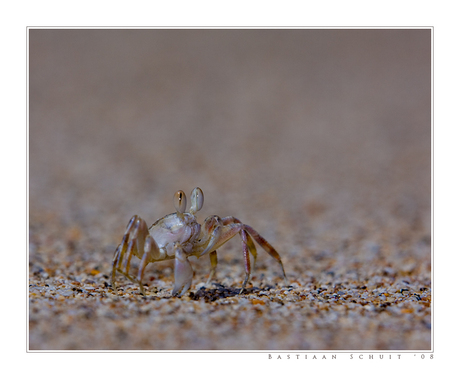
column 180, row 201
column 197, row 200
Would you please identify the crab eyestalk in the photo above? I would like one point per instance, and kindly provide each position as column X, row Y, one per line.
column 180, row 201
column 197, row 200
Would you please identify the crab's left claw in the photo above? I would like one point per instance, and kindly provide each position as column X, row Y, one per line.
column 183, row 272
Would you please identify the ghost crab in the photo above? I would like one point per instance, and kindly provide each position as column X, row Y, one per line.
column 179, row 236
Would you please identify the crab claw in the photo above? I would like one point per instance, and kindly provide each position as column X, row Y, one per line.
column 183, row 272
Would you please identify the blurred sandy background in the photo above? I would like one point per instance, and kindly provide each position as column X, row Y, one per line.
column 319, row 139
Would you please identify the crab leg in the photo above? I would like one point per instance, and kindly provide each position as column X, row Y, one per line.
column 150, row 251
column 267, row 247
column 136, row 233
column 213, row 225
column 252, row 248
column 134, row 245
column 213, row 257
column 247, row 261
column 260, row 240
column 183, row 273
column 121, row 250
column 127, row 258
column 250, row 242
column 122, row 247
column 220, row 231
column 117, row 258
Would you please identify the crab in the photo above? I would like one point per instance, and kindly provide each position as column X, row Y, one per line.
column 179, row 236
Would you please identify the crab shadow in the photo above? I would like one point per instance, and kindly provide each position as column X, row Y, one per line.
column 214, row 294
column 207, row 294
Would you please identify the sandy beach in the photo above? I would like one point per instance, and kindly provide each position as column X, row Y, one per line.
column 318, row 139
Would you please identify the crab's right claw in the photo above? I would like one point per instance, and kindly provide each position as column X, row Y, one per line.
column 183, row 273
